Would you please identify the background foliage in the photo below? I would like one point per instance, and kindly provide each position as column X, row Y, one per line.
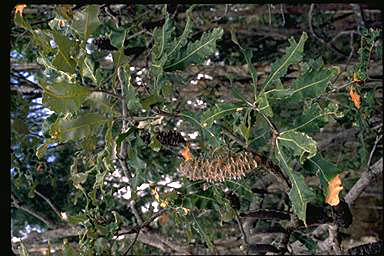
column 98, row 175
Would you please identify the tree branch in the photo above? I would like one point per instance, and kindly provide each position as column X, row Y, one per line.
column 16, row 204
column 366, row 178
column 50, row 203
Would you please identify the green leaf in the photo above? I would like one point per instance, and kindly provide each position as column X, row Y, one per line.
column 87, row 69
column 312, row 83
column 300, row 194
column 247, row 53
column 78, row 128
column 19, row 21
column 183, row 39
column 63, row 60
column 68, row 250
column 263, row 105
column 119, row 58
column 314, row 118
column 151, row 100
column 132, row 101
column 217, row 112
column 19, row 126
column 86, row 22
column 293, row 55
column 77, row 219
column 162, row 40
column 324, row 169
column 63, row 96
column 197, row 51
column 118, row 38
column 301, row 144
column 101, row 102
column 42, row 40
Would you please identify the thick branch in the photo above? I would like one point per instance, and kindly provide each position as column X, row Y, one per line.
column 366, row 178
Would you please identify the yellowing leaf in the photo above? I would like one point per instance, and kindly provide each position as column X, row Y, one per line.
column 20, row 8
column 334, row 188
column 355, row 97
column 186, row 153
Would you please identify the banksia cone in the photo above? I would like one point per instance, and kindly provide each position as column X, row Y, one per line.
column 104, row 44
column 218, row 168
column 170, row 138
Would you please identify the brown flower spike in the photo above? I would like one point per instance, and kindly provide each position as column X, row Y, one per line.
column 217, row 168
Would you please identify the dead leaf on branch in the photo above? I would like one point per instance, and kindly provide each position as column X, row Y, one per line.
column 334, row 188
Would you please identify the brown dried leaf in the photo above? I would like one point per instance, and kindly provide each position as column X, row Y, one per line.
column 334, row 188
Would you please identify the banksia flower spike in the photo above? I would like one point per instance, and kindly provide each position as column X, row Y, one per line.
column 218, row 168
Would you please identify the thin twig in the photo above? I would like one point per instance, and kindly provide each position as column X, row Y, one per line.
column 49, row 202
column 133, row 242
column 373, row 149
column 16, row 203
column 245, row 238
column 331, row 46
column 123, row 147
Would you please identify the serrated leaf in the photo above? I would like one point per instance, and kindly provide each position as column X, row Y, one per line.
column 63, row 60
column 293, row 55
column 75, row 129
column 314, row 118
column 183, row 39
column 325, row 170
column 132, row 101
column 197, row 51
column 301, row 144
column 312, row 83
column 216, row 113
column 63, row 96
column 86, row 22
column 162, row 39
column 247, row 53
column 300, row 194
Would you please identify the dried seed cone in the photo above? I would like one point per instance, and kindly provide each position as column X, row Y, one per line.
column 171, row 138
column 218, row 168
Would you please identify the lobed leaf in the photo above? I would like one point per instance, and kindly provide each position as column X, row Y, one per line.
column 217, row 112
column 63, row 60
column 86, row 22
column 300, row 194
column 77, row 128
column 63, row 97
column 293, row 55
column 196, row 51
column 301, row 144
column 324, row 169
